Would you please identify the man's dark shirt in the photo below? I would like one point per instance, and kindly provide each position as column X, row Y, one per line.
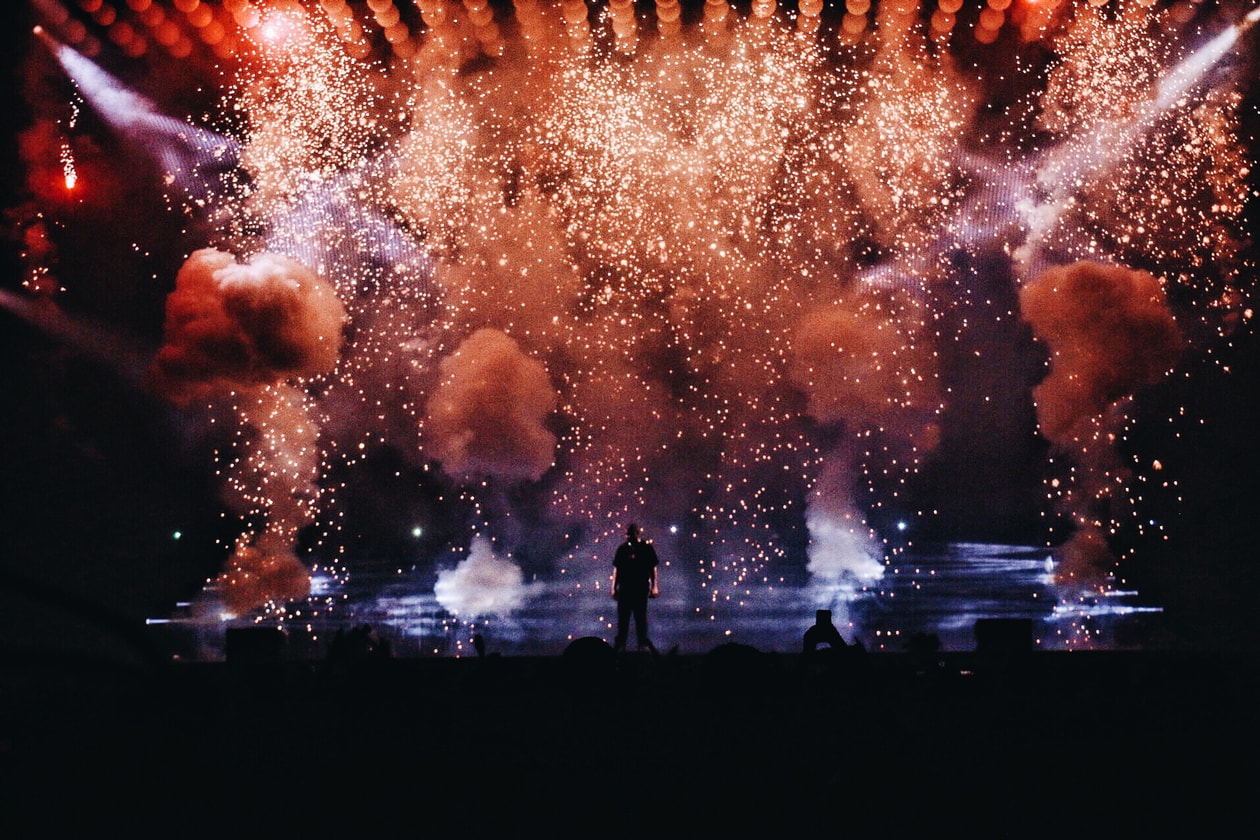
column 635, row 561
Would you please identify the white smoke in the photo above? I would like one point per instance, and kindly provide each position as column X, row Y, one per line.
column 483, row 583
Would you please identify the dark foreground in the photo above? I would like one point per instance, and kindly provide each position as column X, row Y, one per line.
column 732, row 743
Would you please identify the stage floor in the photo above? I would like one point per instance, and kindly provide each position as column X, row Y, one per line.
column 940, row 592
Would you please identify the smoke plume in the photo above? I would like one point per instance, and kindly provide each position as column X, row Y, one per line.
column 1109, row 331
column 274, row 482
column 486, row 417
column 841, row 545
column 231, row 325
column 1085, row 557
column 263, row 572
column 863, row 369
column 482, row 584
column 249, row 328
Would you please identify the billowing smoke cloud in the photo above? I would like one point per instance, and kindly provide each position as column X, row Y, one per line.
column 863, row 369
column 249, row 328
column 841, row 545
column 262, row 572
column 1085, row 557
column 482, row 584
column 230, row 325
column 487, row 415
column 1110, row 332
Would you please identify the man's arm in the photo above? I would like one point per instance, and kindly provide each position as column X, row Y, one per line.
column 614, row 583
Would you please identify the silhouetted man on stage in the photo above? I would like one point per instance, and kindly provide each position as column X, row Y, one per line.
column 634, row 581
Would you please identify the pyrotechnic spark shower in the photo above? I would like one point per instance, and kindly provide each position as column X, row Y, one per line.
column 682, row 266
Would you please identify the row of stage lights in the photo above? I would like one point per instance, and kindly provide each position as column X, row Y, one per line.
column 135, row 25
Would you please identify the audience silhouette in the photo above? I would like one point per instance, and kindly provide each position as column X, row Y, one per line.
column 822, row 633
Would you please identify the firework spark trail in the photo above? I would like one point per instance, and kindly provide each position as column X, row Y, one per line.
column 718, row 249
column 1087, row 156
column 198, row 162
column 1019, row 204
